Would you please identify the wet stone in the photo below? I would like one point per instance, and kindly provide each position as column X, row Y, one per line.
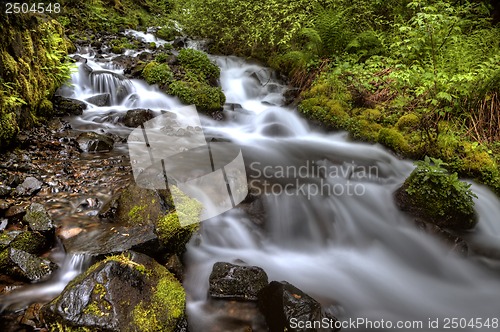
column 93, row 142
column 135, row 118
column 5, row 190
column 64, row 106
column 24, row 265
column 15, row 213
column 281, row 302
column 229, row 281
column 100, row 100
column 30, row 186
column 37, row 218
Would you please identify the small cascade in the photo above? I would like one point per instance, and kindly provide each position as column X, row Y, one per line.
column 118, row 87
column 71, row 266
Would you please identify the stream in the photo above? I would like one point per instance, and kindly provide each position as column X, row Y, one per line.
column 326, row 221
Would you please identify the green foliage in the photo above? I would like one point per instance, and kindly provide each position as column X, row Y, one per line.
column 198, row 63
column 244, row 26
column 158, row 73
column 206, row 98
column 440, row 193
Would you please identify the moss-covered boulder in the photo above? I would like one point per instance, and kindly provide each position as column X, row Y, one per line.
column 198, row 63
column 175, row 232
column 38, row 219
column 192, row 77
column 128, row 292
column 436, row 196
column 207, row 99
column 158, row 73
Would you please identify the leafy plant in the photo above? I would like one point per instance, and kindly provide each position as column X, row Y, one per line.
column 441, row 193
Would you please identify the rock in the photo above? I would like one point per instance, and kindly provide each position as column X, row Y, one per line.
column 13, row 180
column 20, row 264
column 15, row 213
column 103, row 99
column 290, row 96
column 179, row 42
column 38, row 219
column 93, row 142
column 121, row 93
column 68, row 106
column 5, row 190
column 135, row 118
column 6, row 238
column 125, row 61
column 452, row 219
column 30, row 242
column 129, row 292
column 29, row 187
column 140, row 206
column 281, row 302
column 229, row 281
column 145, row 56
column 107, row 239
column 455, row 243
column 175, row 266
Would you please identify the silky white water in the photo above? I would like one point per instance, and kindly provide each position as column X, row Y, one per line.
column 352, row 250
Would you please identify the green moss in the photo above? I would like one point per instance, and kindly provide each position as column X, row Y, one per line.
column 167, row 32
column 167, row 305
column 8, row 128
column 136, row 213
column 393, row 139
column 408, row 121
column 207, row 99
column 157, row 73
column 371, row 114
column 198, row 62
column 32, row 242
column 169, row 228
column 124, row 259
column 45, row 108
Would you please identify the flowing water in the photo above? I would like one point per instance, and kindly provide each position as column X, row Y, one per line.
column 329, row 224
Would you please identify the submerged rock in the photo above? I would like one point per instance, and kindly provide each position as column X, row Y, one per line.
column 283, row 303
column 129, row 292
column 229, row 281
column 30, row 186
column 93, row 142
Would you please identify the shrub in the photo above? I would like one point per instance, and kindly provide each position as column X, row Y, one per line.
column 437, row 196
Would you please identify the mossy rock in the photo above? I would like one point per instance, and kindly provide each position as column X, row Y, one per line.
column 207, row 99
column 158, row 73
column 198, row 62
column 127, row 292
column 436, row 196
column 408, row 122
column 393, row 139
column 139, row 206
column 173, row 232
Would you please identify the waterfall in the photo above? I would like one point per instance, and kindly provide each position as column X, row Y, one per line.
column 331, row 226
